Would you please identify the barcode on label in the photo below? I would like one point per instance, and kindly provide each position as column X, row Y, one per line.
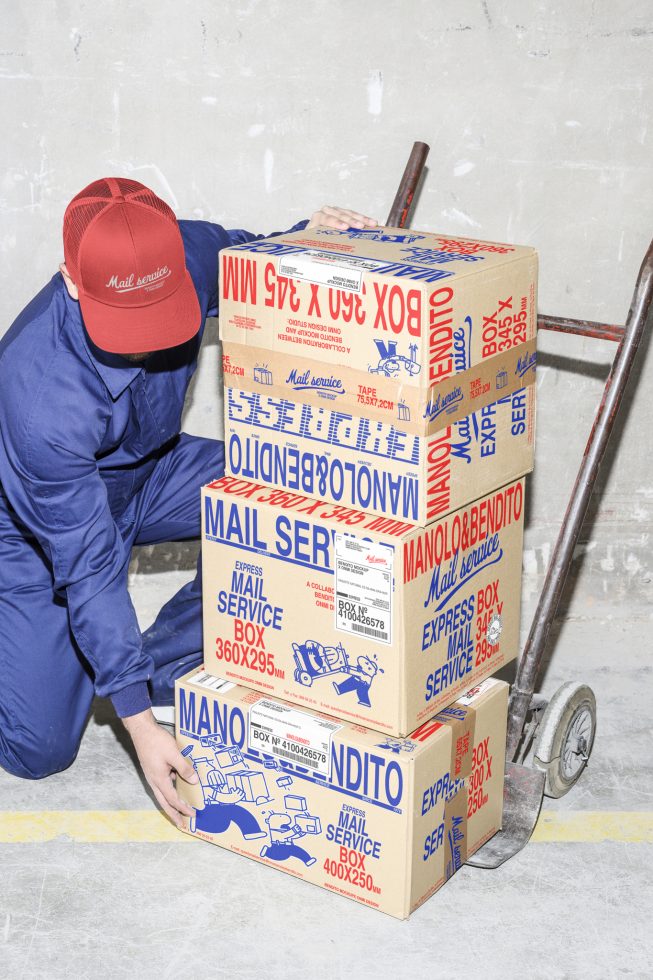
column 363, row 590
column 299, row 759
column 203, row 679
column 206, row 681
column 369, row 631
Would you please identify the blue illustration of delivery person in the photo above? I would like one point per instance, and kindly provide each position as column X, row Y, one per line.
column 286, row 828
column 221, row 800
column 359, row 680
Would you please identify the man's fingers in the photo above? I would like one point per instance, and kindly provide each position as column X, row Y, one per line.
column 353, row 217
column 174, row 799
column 169, row 811
column 179, row 763
column 330, row 216
column 330, row 222
column 320, row 219
column 159, row 757
column 185, row 769
column 171, row 802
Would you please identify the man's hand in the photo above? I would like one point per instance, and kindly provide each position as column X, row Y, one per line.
column 159, row 758
column 340, row 218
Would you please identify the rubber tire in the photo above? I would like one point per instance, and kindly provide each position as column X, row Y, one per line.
column 560, row 714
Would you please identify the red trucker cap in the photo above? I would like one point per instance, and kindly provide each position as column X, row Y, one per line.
column 124, row 251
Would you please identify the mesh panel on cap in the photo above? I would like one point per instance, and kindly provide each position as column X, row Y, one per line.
column 92, row 200
column 147, row 197
column 128, row 186
column 99, row 188
column 135, row 191
column 78, row 218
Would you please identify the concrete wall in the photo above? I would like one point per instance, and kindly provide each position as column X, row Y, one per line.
column 254, row 113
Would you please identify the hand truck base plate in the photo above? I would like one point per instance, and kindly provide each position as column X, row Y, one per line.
column 523, row 789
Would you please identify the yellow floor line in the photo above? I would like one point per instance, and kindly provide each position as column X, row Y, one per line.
column 88, row 827
column 150, row 827
column 594, row 826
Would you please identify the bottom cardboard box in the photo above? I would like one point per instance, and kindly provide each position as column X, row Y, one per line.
column 382, row 820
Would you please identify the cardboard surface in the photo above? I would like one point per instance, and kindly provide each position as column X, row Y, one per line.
column 373, row 466
column 470, row 389
column 380, row 820
column 369, row 619
column 386, row 370
column 400, row 326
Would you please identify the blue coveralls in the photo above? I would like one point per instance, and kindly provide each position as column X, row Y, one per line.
column 91, row 463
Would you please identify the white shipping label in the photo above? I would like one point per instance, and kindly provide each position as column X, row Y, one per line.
column 481, row 688
column 202, row 679
column 326, row 269
column 286, row 733
column 364, row 588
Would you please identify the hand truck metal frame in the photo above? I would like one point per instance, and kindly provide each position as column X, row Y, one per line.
column 560, row 731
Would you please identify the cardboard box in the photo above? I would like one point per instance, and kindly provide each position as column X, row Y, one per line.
column 374, row 466
column 402, row 327
column 380, row 820
column 366, row 618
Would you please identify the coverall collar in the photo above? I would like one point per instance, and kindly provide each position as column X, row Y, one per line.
column 116, row 373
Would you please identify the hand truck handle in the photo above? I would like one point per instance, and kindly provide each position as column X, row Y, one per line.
column 531, row 658
column 404, row 197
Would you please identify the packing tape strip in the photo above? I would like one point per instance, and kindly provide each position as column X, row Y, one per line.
column 455, row 828
column 462, row 722
column 421, row 411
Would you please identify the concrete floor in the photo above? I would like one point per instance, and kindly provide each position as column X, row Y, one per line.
column 176, row 908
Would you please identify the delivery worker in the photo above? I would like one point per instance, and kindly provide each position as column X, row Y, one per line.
column 93, row 376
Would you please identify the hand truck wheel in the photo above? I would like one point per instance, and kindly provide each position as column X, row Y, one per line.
column 565, row 737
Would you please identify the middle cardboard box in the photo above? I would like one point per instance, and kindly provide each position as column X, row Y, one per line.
column 368, row 618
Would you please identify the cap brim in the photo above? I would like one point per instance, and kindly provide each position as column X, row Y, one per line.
column 143, row 329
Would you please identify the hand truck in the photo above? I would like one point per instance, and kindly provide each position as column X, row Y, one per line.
column 560, row 731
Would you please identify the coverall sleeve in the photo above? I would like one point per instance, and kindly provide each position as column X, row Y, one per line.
column 57, row 492
column 203, row 241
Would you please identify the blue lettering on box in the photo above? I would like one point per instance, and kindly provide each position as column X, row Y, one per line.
column 200, row 715
column 355, row 772
column 297, row 541
column 351, row 832
column 449, row 622
column 462, row 342
column 403, row 271
column 359, row 485
column 246, row 600
column 367, row 775
column 306, row 381
column 443, row 789
column 488, row 431
column 322, row 426
column 455, row 839
column 526, row 363
column 443, row 403
column 435, row 256
column 518, row 413
column 449, row 673
column 467, row 427
column 226, row 521
column 445, row 582
column 373, row 235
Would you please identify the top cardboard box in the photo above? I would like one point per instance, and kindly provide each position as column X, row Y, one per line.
column 397, row 325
